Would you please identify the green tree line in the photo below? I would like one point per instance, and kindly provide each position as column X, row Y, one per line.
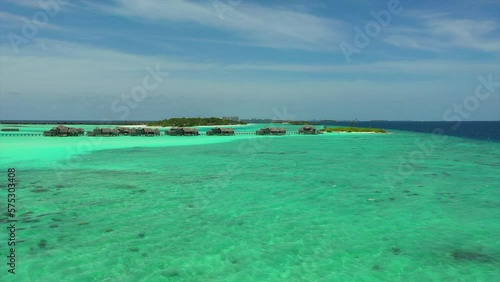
column 179, row 122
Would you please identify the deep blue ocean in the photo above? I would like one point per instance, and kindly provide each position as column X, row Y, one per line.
column 480, row 130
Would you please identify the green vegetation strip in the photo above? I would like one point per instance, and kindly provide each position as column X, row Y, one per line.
column 353, row 129
column 180, row 122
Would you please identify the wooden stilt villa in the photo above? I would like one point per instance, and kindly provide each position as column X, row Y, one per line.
column 151, row 132
column 271, row 131
column 72, row 132
column 307, row 129
column 182, row 131
column 124, row 130
column 136, row 131
column 106, row 132
column 189, row 131
column 220, row 131
column 63, row 131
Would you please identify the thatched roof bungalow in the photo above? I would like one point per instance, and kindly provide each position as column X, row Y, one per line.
column 278, row 131
column 73, row 132
column 221, row 131
column 175, row 131
column 103, row 132
column 124, row 130
column 148, row 132
column 271, row 131
column 95, row 132
column 139, row 131
column 63, row 131
column 106, row 132
column 189, row 131
column 47, row 133
column 263, row 131
column 182, row 131
column 307, row 129
column 151, row 132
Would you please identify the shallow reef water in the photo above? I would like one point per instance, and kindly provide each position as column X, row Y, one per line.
column 332, row 207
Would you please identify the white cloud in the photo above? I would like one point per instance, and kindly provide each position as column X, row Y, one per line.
column 403, row 41
column 480, row 35
column 438, row 32
column 421, row 67
column 14, row 21
column 64, row 67
column 264, row 26
column 33, row 4
column 49, row 5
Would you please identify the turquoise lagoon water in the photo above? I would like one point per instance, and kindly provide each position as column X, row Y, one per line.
column 334, row 207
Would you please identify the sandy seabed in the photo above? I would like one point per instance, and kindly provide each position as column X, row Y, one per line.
column 330, row 207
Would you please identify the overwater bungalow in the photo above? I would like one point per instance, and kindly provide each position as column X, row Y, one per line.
column 136, row 131
column 104, row 132
column 175, row 131
column 221, row 131
column 189, row 131
column 95, row 132
column 263, row 131
column 278, row 131
column 182, row 131
column 271, row 131
column 63, row 131
column 148, row 132
column 124, row 130
column 48, row 133
column 52, row 132
column 307, row 129
column 72, row 132
column 151, row 132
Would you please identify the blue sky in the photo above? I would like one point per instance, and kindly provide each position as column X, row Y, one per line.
column 83, row 60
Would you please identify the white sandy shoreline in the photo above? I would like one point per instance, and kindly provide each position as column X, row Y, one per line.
column 231, row 125
column 203, row 126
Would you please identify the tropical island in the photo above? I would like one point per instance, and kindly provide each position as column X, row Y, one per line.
column 182, row 122
column 353, row 129
column 302, row 122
